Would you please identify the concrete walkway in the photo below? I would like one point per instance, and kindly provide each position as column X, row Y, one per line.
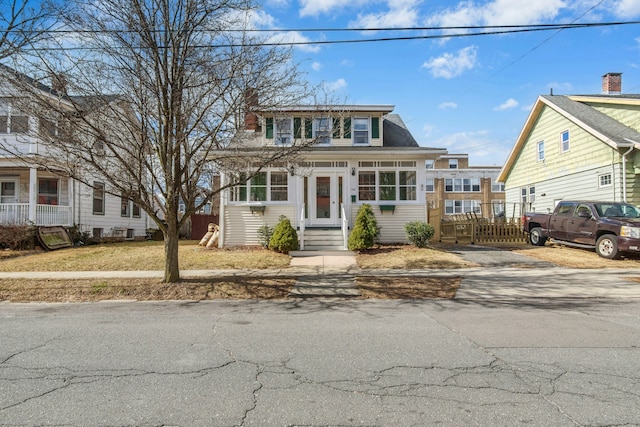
column 335, row 276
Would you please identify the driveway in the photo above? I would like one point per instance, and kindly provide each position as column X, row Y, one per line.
column 495, row 257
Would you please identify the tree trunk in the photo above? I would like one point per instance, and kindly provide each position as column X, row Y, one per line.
column 171, row 240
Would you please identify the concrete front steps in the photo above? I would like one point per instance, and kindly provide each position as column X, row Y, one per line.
column 323, row 239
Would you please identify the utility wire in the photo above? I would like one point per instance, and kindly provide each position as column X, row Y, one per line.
column 507, row 29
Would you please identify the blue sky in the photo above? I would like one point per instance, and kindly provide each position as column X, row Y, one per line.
column 466, row 94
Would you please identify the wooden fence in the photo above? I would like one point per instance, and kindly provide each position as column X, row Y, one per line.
column 469, row 228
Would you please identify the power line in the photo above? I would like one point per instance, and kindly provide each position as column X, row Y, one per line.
column 497, row 30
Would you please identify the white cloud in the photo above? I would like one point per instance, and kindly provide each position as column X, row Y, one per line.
column 316, row 66
column 427, row 129
column 450, row 65
column 507, row 105
column 401, row 13
column 336, row 85
column 499, row 12
column 448, row 105
column 481, row 147
column 317, row 7
column 294, row 37
column 627, row 8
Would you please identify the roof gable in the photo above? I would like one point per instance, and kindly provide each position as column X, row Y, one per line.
column 604, row 128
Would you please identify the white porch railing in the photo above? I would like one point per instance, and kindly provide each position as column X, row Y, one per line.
column 302, row 219
column 345, row 228
column 18, row 213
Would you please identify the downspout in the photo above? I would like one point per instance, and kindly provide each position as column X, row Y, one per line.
column 624, row 174
column 624, row 168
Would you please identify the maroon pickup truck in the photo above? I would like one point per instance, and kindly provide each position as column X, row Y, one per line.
column 609, row 227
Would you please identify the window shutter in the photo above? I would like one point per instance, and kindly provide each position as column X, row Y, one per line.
column 308, row 128
column 375, row 127
column 347, row 127
column 269, row 126
column 297, row 127
column 336, row 127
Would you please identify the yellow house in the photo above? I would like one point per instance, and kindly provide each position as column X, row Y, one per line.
column 360, row 154
column 581, row 147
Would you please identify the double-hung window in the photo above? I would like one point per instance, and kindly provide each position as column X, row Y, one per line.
column 367, row 185
column 387, row 185
column 98, row 198
column 322, row 130
column 360, row 130
column 279, row 187
column 284, row 131
column 540, row 151
column 258, row 187
column 262, row 187
column 125, row 206
column 47, row 191
column 564, row 141
column 408, row 185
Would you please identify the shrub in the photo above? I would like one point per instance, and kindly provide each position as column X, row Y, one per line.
column 419, row 233
column 365, row 230
column 284, row 238
column 264, row 235
column 79, row 238
column 17, row 237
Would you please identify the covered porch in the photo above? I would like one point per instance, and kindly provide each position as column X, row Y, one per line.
column 29, row 196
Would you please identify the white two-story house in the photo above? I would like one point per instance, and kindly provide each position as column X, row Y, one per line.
column 42, row 197
column 361, row 154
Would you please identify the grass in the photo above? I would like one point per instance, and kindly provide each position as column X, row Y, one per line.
column 409, row 258
column 146, row 255
column 143, row 289
column 149, row 255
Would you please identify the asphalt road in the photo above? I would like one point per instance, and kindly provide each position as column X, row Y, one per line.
column 560, row 362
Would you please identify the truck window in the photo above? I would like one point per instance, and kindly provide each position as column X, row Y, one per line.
column 565, row 209
column 582, row 210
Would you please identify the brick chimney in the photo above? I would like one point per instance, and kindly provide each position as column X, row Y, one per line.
column 250, row 118
column 612, row 84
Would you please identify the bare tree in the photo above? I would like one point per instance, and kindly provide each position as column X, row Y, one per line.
column 22, row 24
column 146, row 93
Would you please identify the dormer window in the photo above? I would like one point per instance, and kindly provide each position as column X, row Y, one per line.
column 360, row 130
column 284, row 131
column 322, row 130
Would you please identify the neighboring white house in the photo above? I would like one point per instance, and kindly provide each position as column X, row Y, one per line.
column 32, row 195
column 362, row 154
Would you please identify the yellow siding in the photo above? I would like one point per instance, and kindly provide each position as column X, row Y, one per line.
column 241, row 225
column 586, row 152
column 392, row 224
column 625, row 114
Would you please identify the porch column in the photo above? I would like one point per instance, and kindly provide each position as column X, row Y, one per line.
column 33, row 194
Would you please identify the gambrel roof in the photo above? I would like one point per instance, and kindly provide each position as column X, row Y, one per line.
column 576, row 109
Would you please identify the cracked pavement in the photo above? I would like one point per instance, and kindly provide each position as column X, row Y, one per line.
column 558, row 362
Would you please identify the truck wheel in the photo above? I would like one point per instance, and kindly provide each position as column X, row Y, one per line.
column 536, row 238
column 607, row 246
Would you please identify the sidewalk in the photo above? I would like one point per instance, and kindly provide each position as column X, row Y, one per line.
column 332, row 275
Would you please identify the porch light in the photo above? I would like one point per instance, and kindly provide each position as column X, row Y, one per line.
column 353, row 171
column 292, row 170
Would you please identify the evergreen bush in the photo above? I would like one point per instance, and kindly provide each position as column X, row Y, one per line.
column 419, row 233
column 284, row 238
column 264, row 235
column 365, row 231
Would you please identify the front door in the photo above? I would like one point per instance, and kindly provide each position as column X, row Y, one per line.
column 324, row 199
